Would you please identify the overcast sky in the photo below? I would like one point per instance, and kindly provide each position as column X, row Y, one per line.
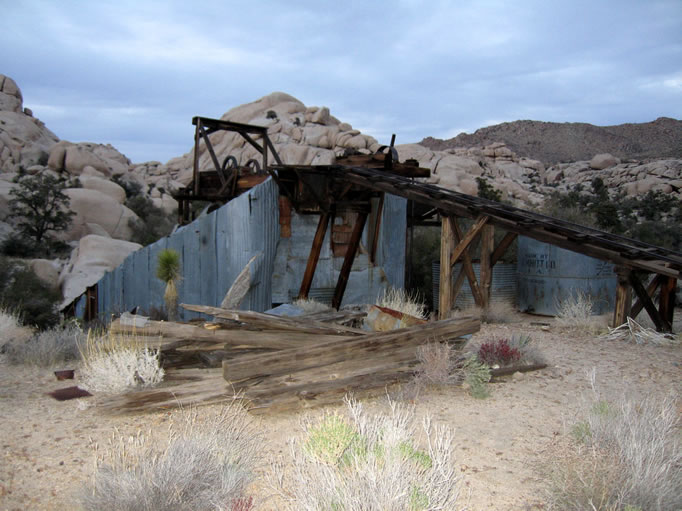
column 133, row 73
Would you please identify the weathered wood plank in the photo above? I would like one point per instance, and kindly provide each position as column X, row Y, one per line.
column 314, row 256
column 465, row 241
column 268, row 321
column 468, row 267
column 447, row 245
column 348, row 259
column 623, row 303
column 169, row 331
column 360, row 349
column 661, row 324
column 487, row 242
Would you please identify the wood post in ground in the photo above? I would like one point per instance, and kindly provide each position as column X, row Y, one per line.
column 464, row 243
column 666, row 303
column 486, row 274
column 623, row 305
column 349, row 258
column 639, row 290
column 447, row 245
column 314, row 256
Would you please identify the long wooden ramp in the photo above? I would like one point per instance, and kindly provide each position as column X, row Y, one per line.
column 629, row 255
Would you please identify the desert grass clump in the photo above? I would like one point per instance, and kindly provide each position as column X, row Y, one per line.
column 117, row 363
column 203, row 462
column 310, row 306
column 625, row 456
column 47, row 348
column 370, row 463
column 402, row 301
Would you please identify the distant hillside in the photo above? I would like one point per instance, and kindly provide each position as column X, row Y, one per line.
column 552, row 142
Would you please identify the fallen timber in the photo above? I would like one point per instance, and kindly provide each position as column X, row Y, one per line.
column 293, row 375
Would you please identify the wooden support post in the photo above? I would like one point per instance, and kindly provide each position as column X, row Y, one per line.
column 502, row 247
column 486, row 275
column 447, row 245
column 314, row 255
column 467, row 267
column 349, row 258
column 650, row 291
column 666, row 302
column 468, row 238
column 375, row 234
column 648, row 304
column 214, row 158
column 621, row 310
column 195, row 169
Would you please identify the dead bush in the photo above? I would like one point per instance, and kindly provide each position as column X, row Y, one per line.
column 202, row 463
column 628, row 457
column 47, row 348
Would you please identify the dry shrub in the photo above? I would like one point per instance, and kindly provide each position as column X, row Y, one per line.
column 310, row 306
column 629, row 458
column 370, row 463
column 47, row 348
column 495, row 312
column 576, row 312
column 203, row 463
column 116, row 363
column 402, row 301
column 437, row 363
column 11, row 329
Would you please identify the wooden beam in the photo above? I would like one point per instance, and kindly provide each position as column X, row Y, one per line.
column 214, row 158
column 314, row 256
column 502, row 247
column 650, row 290
column 195, row 168
column 623, row 304
column 666, row 303
column 352, row 249
column 468, row 238
column 661, row 325
column 486, row 274
column 375, row 235
column 468, row 268
column 447, row 245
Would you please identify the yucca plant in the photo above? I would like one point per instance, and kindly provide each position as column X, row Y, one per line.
column 168, row 270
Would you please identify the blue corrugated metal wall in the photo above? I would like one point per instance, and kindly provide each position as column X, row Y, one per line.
column 213, row 250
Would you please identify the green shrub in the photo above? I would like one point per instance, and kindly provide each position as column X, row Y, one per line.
column 41, row 208
column 370, row 463
column 34, row 301
column 153, row 224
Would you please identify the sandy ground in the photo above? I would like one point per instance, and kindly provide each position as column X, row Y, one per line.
column 502, row 441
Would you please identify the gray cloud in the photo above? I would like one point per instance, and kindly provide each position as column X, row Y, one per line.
column 134, row 73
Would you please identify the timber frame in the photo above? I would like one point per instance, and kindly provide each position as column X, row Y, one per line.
column 229, row 179
column 632, row 258
column 357, row 179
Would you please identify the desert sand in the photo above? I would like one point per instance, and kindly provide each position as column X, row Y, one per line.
column 502, row 441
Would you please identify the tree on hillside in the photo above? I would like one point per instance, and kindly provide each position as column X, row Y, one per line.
column 40, row 204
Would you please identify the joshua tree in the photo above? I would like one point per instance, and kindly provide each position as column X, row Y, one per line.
column 168, row 271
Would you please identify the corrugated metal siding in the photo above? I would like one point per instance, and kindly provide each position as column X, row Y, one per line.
column 213, row 250
column 503, row 287
column 365, row 282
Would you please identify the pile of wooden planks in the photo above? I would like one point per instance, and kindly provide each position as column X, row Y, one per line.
column 280, row 363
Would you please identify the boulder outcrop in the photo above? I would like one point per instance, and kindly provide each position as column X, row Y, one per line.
column 94, row 256
column 94, row 207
